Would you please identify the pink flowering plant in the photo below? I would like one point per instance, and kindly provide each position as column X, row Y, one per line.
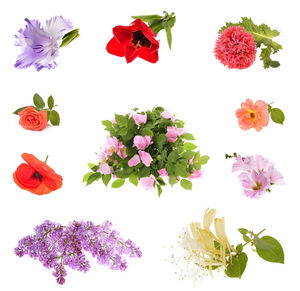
column 237, row 43
column 150, row 147
column 257, row 174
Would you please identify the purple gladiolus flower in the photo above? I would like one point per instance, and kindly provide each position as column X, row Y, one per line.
column 57, row 246
column 40, row 44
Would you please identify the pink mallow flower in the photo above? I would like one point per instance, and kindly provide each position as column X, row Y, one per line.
column 135, row 160
column 142, row 142
column 147, row 182
column 195, row 175
column 255, row 184
column 173, row 132
column 274, row 177
column 166, row 114
column 162, row 172
column 138, row 118
column 121, row 151
column 146, row 158
column 105, row 169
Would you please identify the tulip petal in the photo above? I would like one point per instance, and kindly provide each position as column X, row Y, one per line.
column 115, row 48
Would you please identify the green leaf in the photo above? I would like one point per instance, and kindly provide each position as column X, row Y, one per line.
column 196, row 161
column 86, row 176
column 161, row 140
column 239, row 248
column 134, row 179
column 146, row 18
column 173, row 156
column 91, row 165
column 107, row 123
column 106, row 179
column 118, row 183
column 243, row 231
column 263, row 35
column 246, row 238
column 188, row 136
column 186, row 184
column 161, row 181
column 168, row 32
column 269, row 249
column 277, row 115
column 188, row 146
column 181, row 170
column 172, row 180
column 121, row 120
column 54, row 118
column 237, row 266
column 20, row 109
column 203, row 160
column 156, row 25
column 147, row 131
column 159, row 189
column 38, row 101
column 50, row 102
column 69, row 37
column 188, row 155
column 94, row 177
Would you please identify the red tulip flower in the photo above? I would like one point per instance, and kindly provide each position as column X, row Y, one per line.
column 36, row 176
column 136, row 40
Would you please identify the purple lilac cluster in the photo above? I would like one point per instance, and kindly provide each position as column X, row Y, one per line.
column 257, row 175
column 57, row 246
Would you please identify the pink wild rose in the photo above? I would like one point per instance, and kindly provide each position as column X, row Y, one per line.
column 142, row 142
column 135, row 160
column 146, row 158
column 147, row 182
column 162, row 172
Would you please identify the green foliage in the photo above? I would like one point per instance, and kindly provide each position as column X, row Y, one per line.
column 263, row 35
column 237, row 265
column 269, row 249
column 277, row 115
column 158, row 22
column 175, row 157
column 106, row 178
column 39, row 105
column 69, row 37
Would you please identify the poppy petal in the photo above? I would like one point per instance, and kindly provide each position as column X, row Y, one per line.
column 23, row 177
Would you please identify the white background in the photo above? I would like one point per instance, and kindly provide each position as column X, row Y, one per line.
column 90, row 85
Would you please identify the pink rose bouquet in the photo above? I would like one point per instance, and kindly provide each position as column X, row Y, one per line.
column 145, row 147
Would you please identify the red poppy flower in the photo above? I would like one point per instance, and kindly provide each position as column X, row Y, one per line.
column 36, row 176
column 136, row 40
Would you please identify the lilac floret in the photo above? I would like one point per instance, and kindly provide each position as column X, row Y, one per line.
column 57, row 246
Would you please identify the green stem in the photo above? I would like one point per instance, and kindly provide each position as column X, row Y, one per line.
column 46, row 159
column 254, row 235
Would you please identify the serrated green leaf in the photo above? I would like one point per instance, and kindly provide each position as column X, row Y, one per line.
column 188, row 146
column 277, row 115
column 94, row 177
column 50, row 102
column 121, row 120
column 246, row 238
column 106, row 179
column 188, row 155
column 186, row 184
column 118, row 183
column 188, row 136
column 19, row 110
column 239, row 248
column 54, row 118
column 269, row 249
column 133, row 178
column 243, row 231
column 236, row 267
column 69, row 37
column 86, row 176
column 38, row 101
column 159, row 189
column 181, row 170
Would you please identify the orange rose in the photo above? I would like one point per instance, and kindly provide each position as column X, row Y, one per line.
column 36, row 176
column 32, row 119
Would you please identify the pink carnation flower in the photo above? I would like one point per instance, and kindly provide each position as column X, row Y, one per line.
column 146, row 158
column 142, row 142
column 147, row 182
column 236, row 48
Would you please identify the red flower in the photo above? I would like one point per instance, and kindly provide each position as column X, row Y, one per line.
column 36, row 176
column 32, row 119
column 136, row 40
column 236, row 48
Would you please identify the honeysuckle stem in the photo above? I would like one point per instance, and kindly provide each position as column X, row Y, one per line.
column 254, row 236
